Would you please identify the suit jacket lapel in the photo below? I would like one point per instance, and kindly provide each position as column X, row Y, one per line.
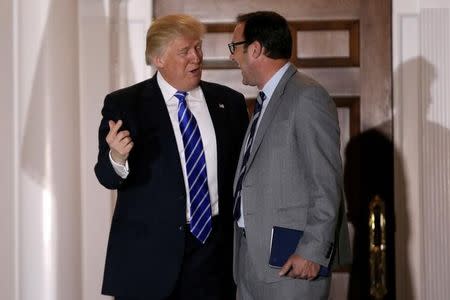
column 154, row 119
column 241, row 157
column 270, row 112
column 153, row 112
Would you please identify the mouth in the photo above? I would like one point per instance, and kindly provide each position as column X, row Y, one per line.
column 195, row 71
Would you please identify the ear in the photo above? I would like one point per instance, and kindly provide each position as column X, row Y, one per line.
column 257, row 49
column 158, row 61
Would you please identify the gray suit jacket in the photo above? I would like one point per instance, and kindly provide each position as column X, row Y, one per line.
column 294, row 176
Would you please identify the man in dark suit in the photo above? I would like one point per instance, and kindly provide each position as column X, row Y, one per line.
column 170, row 146
column 289, row 173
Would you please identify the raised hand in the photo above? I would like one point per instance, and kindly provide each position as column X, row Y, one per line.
column 120, row 142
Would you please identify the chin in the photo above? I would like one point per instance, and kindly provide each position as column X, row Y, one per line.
column 192, row 85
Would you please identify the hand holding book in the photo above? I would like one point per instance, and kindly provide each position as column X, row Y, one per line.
column 300, row 268
column 283, row 244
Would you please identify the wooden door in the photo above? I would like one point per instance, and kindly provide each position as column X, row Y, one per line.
column 345, row 45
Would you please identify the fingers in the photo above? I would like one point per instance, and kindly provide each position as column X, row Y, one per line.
column 113, row 129
column 114, row 126
column 128, row 147
column 119, row 142
column 299, row 268
column 298, row 273
column 115, row 136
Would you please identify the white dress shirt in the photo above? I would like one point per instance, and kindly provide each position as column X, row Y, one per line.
column 197, row 105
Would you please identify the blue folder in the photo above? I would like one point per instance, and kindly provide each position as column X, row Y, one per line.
column 283, row 243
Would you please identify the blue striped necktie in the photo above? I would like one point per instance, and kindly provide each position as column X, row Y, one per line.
column 254, row 123
column 200, row 204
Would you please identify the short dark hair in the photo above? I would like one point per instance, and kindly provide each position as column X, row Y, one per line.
column 271, row 30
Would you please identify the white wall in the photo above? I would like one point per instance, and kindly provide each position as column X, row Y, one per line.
column 7, row 153
column 40, row 117
column 59, row 58
column 112, row 45
column 421, row 43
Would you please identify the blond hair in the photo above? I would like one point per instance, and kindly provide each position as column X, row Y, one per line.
column 164, row 29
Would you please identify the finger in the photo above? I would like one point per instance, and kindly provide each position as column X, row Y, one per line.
column 118, row 125
column 300, row 275
column 125, row 141
column 114, row 126
column 312, row 269
column 122, row 134
column 124, row 151
column 128, row 147
column 286, row 267
column 109, row 136
column 295, row 272
column 292, row 274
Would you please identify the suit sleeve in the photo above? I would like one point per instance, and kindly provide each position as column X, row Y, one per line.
column 103, row 168
column 318, row 129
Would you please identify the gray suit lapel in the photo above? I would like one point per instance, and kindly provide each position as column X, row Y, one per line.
column 241, row 157
column 270, row 112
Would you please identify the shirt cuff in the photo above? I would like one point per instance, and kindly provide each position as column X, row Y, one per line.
column 121, row 170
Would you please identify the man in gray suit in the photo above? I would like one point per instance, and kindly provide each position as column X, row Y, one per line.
column 289, row 173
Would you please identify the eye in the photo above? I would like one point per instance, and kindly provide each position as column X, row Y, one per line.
column 183, row 51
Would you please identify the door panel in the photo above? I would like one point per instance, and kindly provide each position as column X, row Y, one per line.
column 226, row 11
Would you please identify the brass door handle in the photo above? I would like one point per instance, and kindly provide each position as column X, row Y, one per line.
column 377, row 248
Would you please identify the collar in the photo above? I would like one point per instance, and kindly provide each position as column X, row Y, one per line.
column 270, row 85
column 169, row 91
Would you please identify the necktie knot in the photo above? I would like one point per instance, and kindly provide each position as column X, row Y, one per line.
column 259, row 102
column 262, row 96
column 181, row 96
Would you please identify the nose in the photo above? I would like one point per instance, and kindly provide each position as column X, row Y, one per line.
column 232, row 57
column 196, row 56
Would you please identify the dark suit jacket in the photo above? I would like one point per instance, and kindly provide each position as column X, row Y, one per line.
column 146, row 242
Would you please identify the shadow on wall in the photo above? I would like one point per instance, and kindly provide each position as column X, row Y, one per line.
column 369, row 171
column 434, row 171
column 435, row 176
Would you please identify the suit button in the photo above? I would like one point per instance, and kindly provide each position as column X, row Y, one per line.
column 181, row 227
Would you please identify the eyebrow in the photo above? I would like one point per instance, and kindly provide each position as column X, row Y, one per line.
column 185, row 49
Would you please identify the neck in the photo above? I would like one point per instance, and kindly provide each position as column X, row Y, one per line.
column 268, row 68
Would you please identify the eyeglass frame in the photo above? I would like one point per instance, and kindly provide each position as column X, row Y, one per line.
column 232, row 46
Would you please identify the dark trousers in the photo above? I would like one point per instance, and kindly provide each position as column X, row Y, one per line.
column 206, row 273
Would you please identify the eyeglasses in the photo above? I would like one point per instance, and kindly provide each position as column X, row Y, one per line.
column 232, row 46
